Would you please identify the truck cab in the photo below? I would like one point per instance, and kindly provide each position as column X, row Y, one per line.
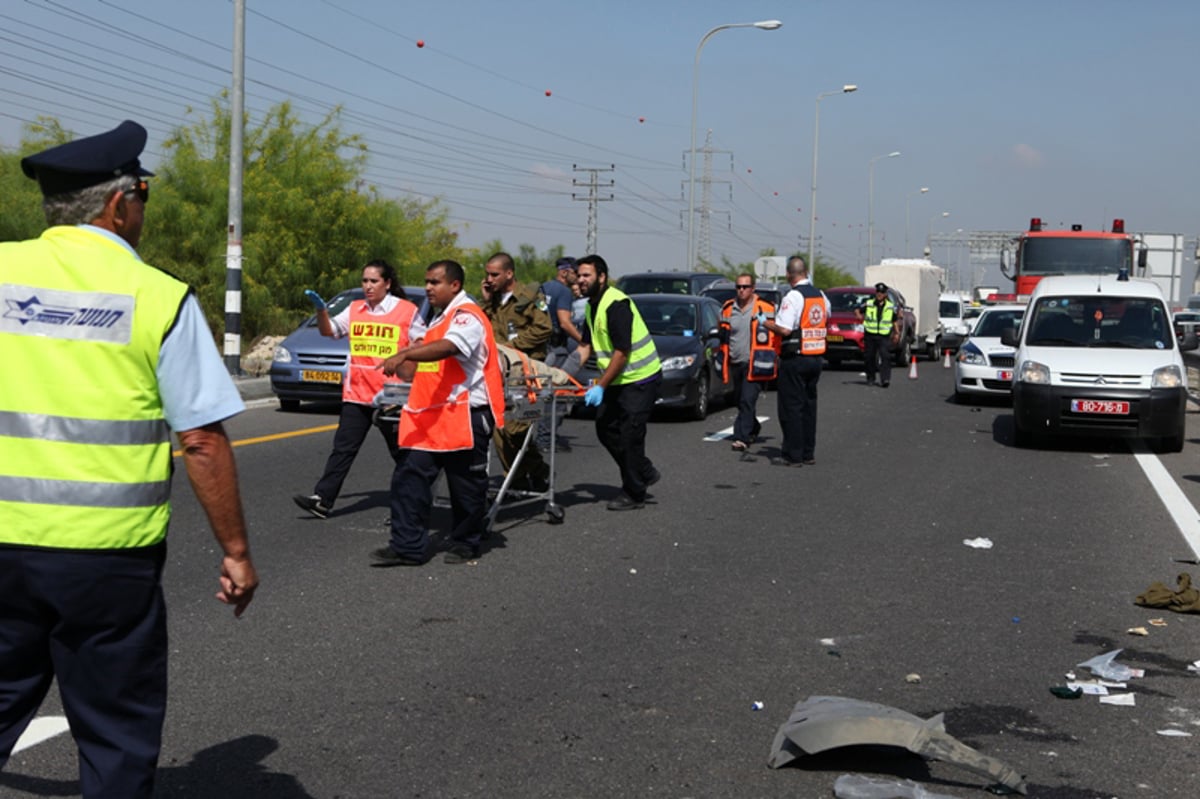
column 1096, row 355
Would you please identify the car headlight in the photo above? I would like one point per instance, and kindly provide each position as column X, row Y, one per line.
column 1167, row 377
column 969, row 353
column 282, row 355
column 960, row 330
column 857, row 328
column 1034, row 372
column 677, row 362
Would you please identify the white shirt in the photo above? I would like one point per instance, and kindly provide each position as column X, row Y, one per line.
column 471, row 339
column 792, row 306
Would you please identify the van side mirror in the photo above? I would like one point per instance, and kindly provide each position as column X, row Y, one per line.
column 1009, row 337
column 1141, row 261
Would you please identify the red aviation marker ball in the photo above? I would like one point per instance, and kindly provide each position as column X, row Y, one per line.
column 776, row 194
column 641, row 119
column 420, row 42
column 547, row 92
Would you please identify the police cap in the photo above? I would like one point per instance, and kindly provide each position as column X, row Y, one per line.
column 88, row 161
column 881, row 288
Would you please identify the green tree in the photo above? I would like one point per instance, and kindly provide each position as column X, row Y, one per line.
column 309, row 219
column 21, row 214
column 532, row 268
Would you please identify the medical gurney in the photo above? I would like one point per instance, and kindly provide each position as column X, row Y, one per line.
column 532, row 392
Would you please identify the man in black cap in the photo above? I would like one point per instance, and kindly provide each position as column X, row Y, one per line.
column 113, row 354
column 881, row 323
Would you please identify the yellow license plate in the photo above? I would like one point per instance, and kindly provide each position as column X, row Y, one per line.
column 835, row 339
column 311, row 376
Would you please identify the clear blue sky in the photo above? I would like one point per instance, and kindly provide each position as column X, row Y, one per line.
column 1074, row 110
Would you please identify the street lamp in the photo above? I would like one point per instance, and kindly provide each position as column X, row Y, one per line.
column 812, row 211
column 929, row 236
column 922, row 190
column 766, row 25
column 871, row 205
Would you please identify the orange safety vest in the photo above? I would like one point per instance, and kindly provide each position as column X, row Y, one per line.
column 813, row 320
column 437, row 416
column 764, row 344
column 373, row 338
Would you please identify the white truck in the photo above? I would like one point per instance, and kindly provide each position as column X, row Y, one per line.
column 920, row 282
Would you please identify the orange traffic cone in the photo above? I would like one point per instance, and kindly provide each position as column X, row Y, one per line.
column 912, row 369
column 946, row 363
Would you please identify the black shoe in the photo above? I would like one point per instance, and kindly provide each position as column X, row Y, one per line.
column 738, row 446
column 460, row 553
column 884, row 384
column 654, row 476
column 809, row 461
column 754, row 433
column 625, row 502
column 784, row 462
column 386, row 556
column 313, row 504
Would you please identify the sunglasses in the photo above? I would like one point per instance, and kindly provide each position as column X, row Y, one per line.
column 740, row 286
column 141, row 190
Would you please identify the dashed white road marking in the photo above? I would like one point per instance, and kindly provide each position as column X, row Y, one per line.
column 43, row 728
column 721, row 435
column 1173, row 499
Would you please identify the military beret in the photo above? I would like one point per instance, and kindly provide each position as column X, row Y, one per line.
column 88, row 161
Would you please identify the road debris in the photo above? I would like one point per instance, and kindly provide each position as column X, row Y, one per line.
column 978, row 543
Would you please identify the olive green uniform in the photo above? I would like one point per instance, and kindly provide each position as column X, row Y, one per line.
column 523, row 323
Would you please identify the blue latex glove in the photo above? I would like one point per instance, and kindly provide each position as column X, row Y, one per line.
column 761, row 318
column 315, row 299
column 594, row 395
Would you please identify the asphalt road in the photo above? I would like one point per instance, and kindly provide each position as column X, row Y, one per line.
column 620, row 654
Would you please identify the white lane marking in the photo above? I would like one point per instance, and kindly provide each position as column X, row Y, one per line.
column 721, row 435
column 41, row 729
column 1173, row 498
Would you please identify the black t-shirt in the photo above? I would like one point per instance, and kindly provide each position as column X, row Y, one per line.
column 620, row 324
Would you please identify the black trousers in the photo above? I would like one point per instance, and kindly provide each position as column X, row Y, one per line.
column 353, row 425
column 879, row 357
column 97, row 621
column 797, row 393
column 621, row 427
column 467, row 479
column 746, row 426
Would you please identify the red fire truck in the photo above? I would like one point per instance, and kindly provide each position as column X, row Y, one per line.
column 1069, row 252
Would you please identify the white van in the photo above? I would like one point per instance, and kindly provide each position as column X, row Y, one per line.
column 1097, row 355
column 954, row 325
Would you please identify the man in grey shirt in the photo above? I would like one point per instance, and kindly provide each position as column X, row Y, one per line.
column 748, row 356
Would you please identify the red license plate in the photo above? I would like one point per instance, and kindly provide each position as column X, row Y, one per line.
column 1004, row 375
column 1109, row 407
column 835, row 339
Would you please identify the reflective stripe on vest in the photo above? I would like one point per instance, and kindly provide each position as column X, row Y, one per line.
column 643, row 357
column 85, row 453
column 437, row 415
column 874, row 323
column 374, row 338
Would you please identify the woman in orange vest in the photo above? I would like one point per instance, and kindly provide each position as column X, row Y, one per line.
column 456, row 402
column 378, row 325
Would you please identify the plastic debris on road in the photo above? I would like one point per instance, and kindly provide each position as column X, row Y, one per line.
column 913, row 678
column 856, row 786
column 978, row 543
column 1126, row 700
column 1106, row 667
column 1174, row 733
column 1138, row 631
column 1066, row 692
column 757, row 705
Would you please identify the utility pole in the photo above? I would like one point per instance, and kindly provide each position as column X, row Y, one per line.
column 593, row 199
column 233, row 246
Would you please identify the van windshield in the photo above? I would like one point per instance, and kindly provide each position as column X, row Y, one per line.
column 1092, row 321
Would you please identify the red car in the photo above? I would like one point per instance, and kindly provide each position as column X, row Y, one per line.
column 844, row 337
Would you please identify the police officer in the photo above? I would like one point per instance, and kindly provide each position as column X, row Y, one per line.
column 801, row 321
column 628, row 383
column 519, row 319
column 112, row 355
column 457, row 399
column 881, row 324
column 747, row 356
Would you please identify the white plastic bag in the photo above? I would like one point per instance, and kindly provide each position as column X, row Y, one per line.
column 856, row 786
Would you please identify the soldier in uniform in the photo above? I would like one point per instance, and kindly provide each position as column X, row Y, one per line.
column 519, row 320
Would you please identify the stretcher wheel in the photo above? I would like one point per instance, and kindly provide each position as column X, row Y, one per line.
column 555, row 513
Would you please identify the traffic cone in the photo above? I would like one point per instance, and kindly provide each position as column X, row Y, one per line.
column 912, row 369
column 946, row 363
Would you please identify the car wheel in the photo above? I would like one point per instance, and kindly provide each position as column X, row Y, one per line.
column 935, row 350
column 1022, row 438
column 699, row 410
column 960, row 397
column 289, row 405
column 904, row 353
